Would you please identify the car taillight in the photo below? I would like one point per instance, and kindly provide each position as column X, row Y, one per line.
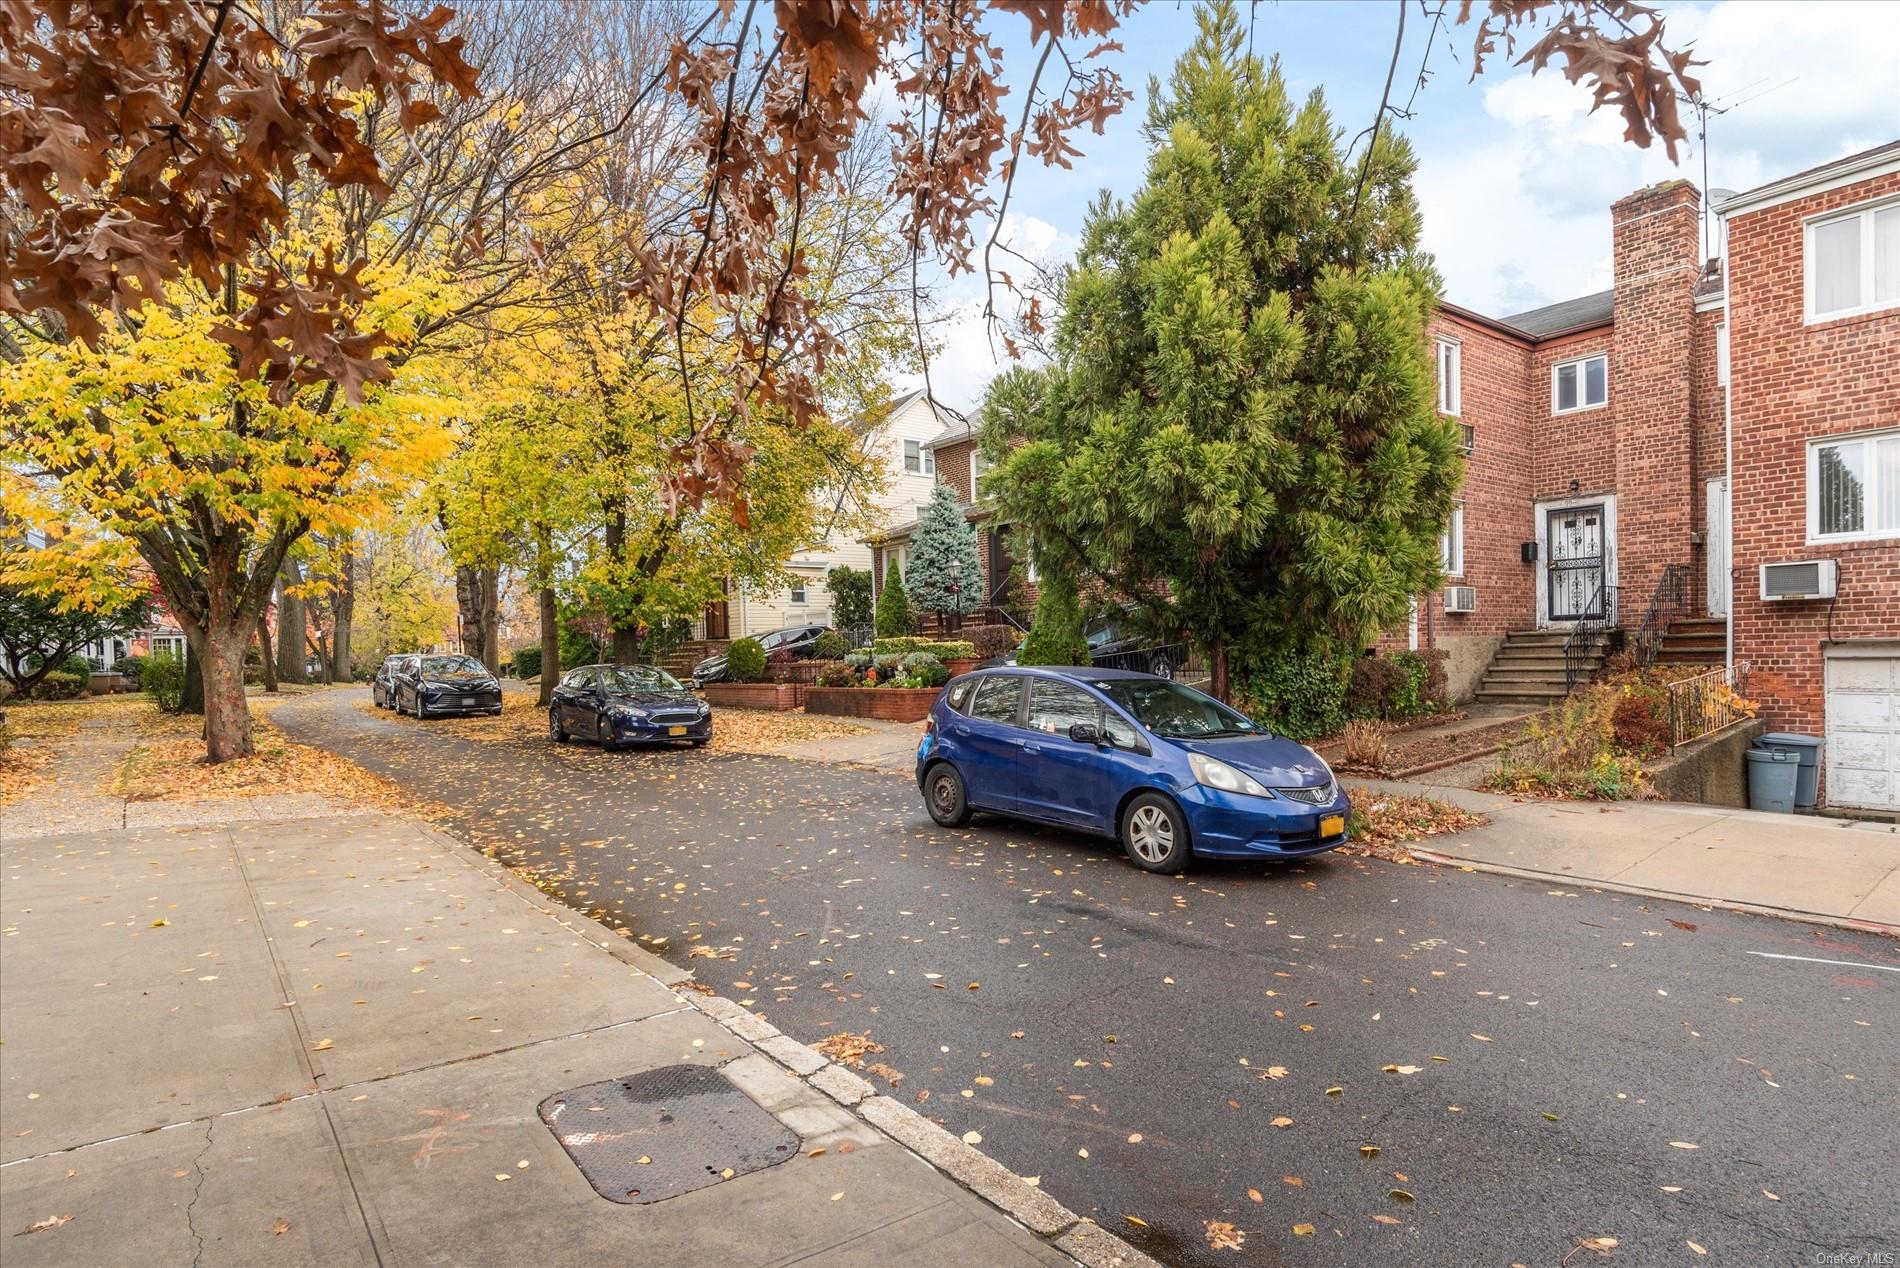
column 930, row 726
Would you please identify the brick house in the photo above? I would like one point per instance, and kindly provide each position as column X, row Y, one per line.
column 1599, row 433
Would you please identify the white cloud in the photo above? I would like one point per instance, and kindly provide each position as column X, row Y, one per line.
column 1518, row 212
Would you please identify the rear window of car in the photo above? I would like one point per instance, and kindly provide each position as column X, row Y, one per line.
column 997, row 698
column 959, row 693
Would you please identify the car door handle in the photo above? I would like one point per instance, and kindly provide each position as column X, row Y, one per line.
column 1032, row 748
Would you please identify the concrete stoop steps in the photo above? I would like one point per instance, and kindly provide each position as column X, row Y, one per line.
column 1700, row 640
column 1529, row 667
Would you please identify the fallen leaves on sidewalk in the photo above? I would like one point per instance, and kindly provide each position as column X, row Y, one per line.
column 175, row 770
column 1381, row 822
column 51, row 1221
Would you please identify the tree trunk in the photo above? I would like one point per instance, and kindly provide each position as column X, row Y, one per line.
column 193, row 700
column 340, row 668
column 290, row 625
column 264, row 654
column 474, row 602
column 626, row 646
column 227, row 716
column 1217, row 668
column 491, row 619
column 550, row 643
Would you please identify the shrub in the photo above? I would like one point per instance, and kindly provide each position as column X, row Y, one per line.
column 1301, row 694
column 830, row 645
column 132, row 667
column 989, row 641
column 62, row 684
column 896, row 646
column 76, row 664
column 1639, row 721
column 745, row 660
column 1374, row 682
column 1573, row 753
column 921, row 669
column 889, row 663
column 1363, row 744
column 857, row 660
column 527, row 662
column 837, row 674
column 164, row 682
column 1055, row 636
column 850, row 596
column 893, row 606
column 954, row 649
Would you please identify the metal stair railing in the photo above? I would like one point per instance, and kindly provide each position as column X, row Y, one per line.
column 1668, row 601
column 1580, row 643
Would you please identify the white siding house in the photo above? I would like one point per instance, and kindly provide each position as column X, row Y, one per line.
column 900, row 446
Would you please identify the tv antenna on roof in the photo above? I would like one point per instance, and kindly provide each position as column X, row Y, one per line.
column 1704, row 107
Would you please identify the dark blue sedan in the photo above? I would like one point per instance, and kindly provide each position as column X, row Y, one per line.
column 621, row 705
column 1169, row 771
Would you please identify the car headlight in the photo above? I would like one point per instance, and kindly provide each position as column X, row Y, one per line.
column 1219, row 775
column 630, row 713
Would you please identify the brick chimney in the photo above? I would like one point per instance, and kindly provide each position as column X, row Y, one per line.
column 1656, row 263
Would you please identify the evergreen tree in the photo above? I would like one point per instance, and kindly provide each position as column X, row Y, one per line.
column 1238, row 430
column 893, row 605
column 850, row 596
column 945, row 577
column 1055, row 635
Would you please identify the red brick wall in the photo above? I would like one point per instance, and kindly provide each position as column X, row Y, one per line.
column 1581, row 445
column 1793, row 382
column 1657, row 266
column 953, row 468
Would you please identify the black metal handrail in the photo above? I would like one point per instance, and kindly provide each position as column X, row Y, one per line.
column 1580, row 643
column 1668, row 601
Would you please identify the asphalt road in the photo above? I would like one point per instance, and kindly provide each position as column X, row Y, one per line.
column 1570, row 1065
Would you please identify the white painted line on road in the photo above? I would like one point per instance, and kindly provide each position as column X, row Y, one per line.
column 1846, row 964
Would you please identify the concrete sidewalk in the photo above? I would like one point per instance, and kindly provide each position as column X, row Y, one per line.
column 886, row 746
column 324, row 1040
column 1835, row 871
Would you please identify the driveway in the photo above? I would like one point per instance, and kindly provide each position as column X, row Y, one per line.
column 1164, row 1052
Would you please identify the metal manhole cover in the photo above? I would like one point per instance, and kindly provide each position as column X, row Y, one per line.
column 664, row 1132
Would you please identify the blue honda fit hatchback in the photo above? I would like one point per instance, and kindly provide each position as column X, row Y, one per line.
column 1169, row 771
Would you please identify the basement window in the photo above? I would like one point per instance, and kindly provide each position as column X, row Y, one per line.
column 1580, row 384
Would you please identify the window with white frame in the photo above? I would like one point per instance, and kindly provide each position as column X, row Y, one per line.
column 914, row 457
column 168, row 645
column 1854, row 487
column 1450, row 376
column 798, row 590
column 1451, row 546
column 1721, row 355
column 978, row 469
column 1853, row 262
column 1580, row 384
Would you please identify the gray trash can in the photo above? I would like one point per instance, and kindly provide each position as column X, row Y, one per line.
column 1808, row 749
column 1773, row 775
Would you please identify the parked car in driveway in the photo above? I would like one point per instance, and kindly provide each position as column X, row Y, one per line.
column 796, row 639
column 1116, row 642
column 437, row 686
column 382, row 688
column 1170, row 772
column 621, row 705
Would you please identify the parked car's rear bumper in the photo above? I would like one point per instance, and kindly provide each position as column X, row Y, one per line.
column 1234, row 826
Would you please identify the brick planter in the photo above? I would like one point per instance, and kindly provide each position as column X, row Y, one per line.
column 890, row 704
column 961, row 665
column 780, row 696
column 799, row 671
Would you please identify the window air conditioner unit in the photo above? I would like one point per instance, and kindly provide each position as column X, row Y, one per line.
column 1461, row 599
column 1801, row 579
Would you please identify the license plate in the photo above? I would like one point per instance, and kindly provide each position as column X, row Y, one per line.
column 1332, row 825
column 676, row 730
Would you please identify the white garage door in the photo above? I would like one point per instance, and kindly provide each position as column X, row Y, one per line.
column 1863, row 730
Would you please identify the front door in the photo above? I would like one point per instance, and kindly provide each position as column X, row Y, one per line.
column 1717, row 494
column 1576, row 570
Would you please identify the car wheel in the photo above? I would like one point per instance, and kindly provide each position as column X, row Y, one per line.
column 422, row 709
column 1155, row 835
column 556, row 731
column 943, row 795
column 1161, row 666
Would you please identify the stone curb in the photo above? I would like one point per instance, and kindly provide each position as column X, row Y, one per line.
column 1724, row 904
column 1082, row 1240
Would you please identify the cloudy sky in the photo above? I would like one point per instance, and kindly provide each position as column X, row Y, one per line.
column 1515, row 175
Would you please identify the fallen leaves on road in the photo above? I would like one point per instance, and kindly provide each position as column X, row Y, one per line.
column 1382, row 822
column 1223, row 1236
column 1302, row 1230
column 51, row 1221
column 1700, row 1250
column 1401, row 1069
column 1601, row 1246
column 850, row 1049
column 1283, row 1121
column 280, row 1228
column 1683, row 1144
column 1136, row 1220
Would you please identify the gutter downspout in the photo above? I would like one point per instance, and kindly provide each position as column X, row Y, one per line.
column 1728, row 450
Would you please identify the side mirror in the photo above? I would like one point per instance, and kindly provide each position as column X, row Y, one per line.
column 1084, row 733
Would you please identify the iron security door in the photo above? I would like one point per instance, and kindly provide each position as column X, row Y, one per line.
column 1576, row 563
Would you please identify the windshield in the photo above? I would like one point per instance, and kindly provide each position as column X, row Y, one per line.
column 452, row 665
column 1176, row 712
column 633, row 680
